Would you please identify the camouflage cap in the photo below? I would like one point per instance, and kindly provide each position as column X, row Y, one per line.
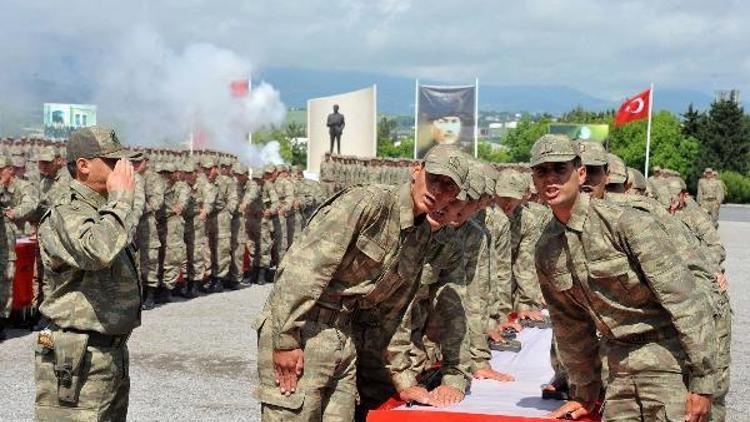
column 45, row 154
column 475, row 182
column 636, row 179
column 167, row 166
column 592, row 153
column 188, row 166
column 617, row 172
column 449, row 161
column 552, row 149
column 270, row 168
column 257, row 173
column 657, row 168
column 676, row 185
column 239, row 168
column 708, row 170
column 96, row 142
column 511, row 184
column 19, row 161
column 207, row 162
column 530, row 181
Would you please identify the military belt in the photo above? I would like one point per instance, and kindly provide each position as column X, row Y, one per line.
column 653, row 336
column 96, row 339
column 329, row 316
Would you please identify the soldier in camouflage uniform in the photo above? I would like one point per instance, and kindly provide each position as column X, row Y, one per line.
column 610, row 269
column 147, row 234
column 362, row 248
column 266, row 252
column 209, row 194
column 82, row 359
column 251, row 206
column 195, row 233
column 699, row 224
column 238, row 227
column 220, row 228
column 18, row 201
column 710, row 194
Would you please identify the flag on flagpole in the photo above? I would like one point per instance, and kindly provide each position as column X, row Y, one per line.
column 634, row 108
column 240, row 88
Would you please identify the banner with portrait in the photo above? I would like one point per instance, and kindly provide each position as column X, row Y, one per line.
column 445, row 115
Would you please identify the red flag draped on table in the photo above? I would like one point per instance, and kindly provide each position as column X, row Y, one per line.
column 634, row 108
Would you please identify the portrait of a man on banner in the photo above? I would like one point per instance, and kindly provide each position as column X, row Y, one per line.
column 445, row 115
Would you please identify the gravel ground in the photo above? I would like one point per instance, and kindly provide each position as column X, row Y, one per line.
column 195, row 360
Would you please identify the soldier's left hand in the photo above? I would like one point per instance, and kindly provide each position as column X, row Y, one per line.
column 10, row 213
column 445, row 395
column 697, row 407
column 491, row 374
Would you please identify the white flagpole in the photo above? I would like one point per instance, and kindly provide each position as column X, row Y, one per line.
column 416, row 115
column 648, row 128
column 476, row 117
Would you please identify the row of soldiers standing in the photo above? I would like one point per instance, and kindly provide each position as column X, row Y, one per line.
column 198, row 215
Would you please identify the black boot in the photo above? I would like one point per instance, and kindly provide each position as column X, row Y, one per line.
column 261, row 278
column 218, row 285
column 206, row 287
column 163, row 295
column 41, row 323
column 190, row 290
column 181, row 289
column 2, row 329
column 148, row 301
column 230, row 284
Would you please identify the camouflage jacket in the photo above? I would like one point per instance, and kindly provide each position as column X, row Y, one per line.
column 526, row 226
column 700, row 224
column 361, row 248
column 500, row 301
column 710, row 190
column 208, row 194
column 437, row 312
column 87, row 262
column 613, row 270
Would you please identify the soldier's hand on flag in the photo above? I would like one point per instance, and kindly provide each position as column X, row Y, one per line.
column 491, row 374
column 416, row 394
column 571, row 410
column 445, row 396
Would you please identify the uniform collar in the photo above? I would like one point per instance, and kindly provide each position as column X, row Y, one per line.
column 405, row 206
column 87, row 194
column 580, row 213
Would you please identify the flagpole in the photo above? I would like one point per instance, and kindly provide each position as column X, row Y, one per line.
column 476, row 117
column 416, row 115
column 648, row 128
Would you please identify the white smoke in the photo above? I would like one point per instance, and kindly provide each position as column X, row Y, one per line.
column 156, row 96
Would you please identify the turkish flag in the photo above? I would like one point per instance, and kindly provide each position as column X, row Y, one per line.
column 634, row 108
column 239, row 88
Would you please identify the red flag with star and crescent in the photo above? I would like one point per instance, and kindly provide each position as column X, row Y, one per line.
column 634, row 108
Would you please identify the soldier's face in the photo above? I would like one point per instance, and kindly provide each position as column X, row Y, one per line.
column 508, row 205
column 558, row 183
column 430, row 192
column 6, row 175
column 469, row 209
column 46, row 168
column 20, row 171
column 445, row 215
column 94, row 172
column 596, row 181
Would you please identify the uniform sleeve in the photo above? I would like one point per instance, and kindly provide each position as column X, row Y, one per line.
column 403, row 346
column 310, row 264
column 709, row 237
column 500, row 300
column 233, row 198
column 154, row 197
column 528, row 293
column 91, row 242
column 674, row 287
column 575, row 334
column 29, row 202
column 478, row 293
column 209, row 198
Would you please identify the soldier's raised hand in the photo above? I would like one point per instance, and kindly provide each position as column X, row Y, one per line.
column 121, row 179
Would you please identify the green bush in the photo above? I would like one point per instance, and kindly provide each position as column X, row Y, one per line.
column 738, row 187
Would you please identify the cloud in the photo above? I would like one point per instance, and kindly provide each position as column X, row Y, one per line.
column 608, row 49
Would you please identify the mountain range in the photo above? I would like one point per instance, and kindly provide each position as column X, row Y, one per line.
column 396, row 94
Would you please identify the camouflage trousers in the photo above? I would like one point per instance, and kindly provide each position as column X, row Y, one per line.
column 252, row 239
column 723, row 359
column 222, row 257
column 712, row 208
column 195, row 241
column 373, row 380
column 6, row 287
column 147, row 239
column 279, row 238
column 265, row 247
column 646, row 382
column 327, row 390
column 174, row 251
column 102, row 391
column 237, row 247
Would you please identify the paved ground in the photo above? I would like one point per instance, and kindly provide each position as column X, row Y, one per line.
column 196, row 360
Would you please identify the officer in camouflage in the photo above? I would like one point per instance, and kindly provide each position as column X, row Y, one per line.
column 95, row 300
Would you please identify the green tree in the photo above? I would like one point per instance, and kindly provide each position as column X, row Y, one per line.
column 520, row 140
column 389, row 144
column 669, row 146
column 692, row 121
column 493, row 155
column 725, row 137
